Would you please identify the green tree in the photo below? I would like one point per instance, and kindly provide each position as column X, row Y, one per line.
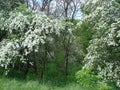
column 9, row 5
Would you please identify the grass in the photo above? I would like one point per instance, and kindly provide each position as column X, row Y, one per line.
column 13, row 84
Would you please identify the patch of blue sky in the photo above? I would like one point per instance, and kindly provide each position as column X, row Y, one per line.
column 39, row 0
column 78, row 15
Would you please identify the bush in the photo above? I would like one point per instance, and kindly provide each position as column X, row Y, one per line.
column 103, row 86
column 86, row 78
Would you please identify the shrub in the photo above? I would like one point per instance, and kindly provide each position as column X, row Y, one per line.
column 87, row 78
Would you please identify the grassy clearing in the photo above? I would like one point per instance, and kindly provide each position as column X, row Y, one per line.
column 13, row 84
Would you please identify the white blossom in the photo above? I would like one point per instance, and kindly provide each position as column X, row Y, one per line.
column 106, row 18
column 31, row 32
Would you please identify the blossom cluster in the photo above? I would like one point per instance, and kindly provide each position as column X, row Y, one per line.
column 103, row 51
column 29, row 32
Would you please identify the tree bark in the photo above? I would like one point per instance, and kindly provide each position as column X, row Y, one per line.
column 35, row 63
column 66, row 60
column 44, row 61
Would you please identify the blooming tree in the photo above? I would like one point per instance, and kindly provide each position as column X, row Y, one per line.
column 103, row 52
column 27, row 32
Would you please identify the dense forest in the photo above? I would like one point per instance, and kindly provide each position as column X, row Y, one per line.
column 59, row 44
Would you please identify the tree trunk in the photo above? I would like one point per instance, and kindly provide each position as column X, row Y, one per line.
column 35, row 63
column 44, row 62
column 66, row 60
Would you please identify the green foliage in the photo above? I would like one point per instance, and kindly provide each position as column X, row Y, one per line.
column 87, row 78
column 84, row 35
column 104, row 86
column 16, row 74
column 23, row 9
column 13, row 36
column 118, row 1
column 9, row 5
column 31, row 76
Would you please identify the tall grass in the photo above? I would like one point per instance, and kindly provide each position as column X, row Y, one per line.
column 13, row 84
